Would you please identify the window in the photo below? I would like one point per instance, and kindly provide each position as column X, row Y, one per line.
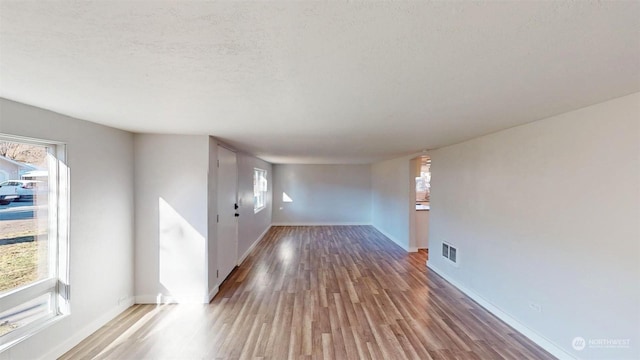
column 259, row 189
column 34, row 287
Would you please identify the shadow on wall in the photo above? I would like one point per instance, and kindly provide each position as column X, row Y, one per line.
column 181, row 250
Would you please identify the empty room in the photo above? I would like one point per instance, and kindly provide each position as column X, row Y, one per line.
column 319, row 180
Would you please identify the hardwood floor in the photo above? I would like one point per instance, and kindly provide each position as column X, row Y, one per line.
column 329, row 292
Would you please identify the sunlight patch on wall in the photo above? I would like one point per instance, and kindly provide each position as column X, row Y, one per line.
column 181, row 249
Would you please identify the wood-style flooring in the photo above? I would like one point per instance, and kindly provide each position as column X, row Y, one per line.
column 327, row 292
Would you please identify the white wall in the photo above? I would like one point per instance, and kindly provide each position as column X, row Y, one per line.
column 391, row 204
column 422, row 228
column 100, row 160
column 171, row 183
column 251, row 226
column 548, row 213
column 322, row 194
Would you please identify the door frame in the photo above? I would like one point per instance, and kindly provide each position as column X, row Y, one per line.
column 414, row 171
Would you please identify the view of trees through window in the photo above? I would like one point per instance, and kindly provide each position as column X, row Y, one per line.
column 24, row 250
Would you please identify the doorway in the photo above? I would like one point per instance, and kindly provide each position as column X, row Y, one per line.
column 227, row 212
column 420, row 201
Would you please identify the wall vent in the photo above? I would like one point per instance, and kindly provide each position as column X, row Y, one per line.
column 450, row 252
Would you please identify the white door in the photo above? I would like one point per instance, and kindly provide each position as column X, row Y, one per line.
column 227, row 213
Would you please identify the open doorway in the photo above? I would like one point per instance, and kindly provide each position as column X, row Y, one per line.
column 420, row 201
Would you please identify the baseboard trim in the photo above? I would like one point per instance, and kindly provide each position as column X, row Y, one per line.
column 542, row 341
column 405, row 248
column 146, row 299
column 89, row 329
column 250, row 249
column 322, row 224
column 172, row 299
column 213, row 292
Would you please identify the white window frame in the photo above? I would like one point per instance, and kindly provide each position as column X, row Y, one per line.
column 57, row 285
column 257, row 207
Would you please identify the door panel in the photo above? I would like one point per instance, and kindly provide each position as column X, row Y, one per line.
column 227, row 221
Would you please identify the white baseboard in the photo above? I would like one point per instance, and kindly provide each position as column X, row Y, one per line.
column 92, row 327
column 413, row 249
column 321, row 224
column 250, row 249
column 542, row 341
column 404, row 247
column 172, row 299
column 146, row 299
column 213, row 293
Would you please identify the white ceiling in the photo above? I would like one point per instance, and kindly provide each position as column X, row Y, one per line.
column 319, row 82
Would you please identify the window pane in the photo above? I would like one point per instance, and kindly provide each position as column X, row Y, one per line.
column 259, row 189
column 24, row 220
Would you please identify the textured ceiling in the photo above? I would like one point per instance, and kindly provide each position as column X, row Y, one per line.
column 318, row 82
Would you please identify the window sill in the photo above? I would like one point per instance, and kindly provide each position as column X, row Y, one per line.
column 35, row 330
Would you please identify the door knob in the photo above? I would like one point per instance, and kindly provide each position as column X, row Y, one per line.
column 236, row 215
